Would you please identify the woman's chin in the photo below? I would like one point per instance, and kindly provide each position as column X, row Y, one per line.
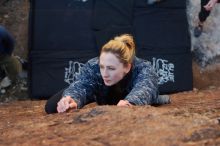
column 108, row 83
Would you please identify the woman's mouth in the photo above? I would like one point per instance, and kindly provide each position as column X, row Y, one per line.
column 107, row 81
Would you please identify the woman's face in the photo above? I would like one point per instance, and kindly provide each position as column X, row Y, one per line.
column 112, row 70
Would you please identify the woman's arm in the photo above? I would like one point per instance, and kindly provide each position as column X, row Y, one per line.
column 83, row 88
column 145, row 87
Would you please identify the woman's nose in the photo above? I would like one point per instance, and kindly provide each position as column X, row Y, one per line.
column 105, row 73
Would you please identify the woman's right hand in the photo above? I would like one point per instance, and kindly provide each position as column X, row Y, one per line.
column 66, row 103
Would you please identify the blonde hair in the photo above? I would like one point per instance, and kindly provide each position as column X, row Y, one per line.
column 123, row 47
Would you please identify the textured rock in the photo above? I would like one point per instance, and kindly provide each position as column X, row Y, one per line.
column 206, row 47
column 191, row 119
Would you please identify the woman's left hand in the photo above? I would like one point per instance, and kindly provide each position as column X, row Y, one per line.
column 124, row 103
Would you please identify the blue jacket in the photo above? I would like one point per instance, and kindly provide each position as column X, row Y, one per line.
column 139, row 86
column 6, row 42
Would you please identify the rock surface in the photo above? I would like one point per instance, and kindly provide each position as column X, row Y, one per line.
column 193, row 118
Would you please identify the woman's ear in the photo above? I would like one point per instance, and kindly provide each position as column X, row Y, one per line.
column 127, row 68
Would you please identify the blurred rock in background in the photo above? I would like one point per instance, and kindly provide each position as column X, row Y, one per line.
column 206, row 48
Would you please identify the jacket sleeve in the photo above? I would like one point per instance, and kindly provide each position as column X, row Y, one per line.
column 83, row 88
column 145, row 87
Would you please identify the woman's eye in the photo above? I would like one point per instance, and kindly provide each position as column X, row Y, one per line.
column 110, row 68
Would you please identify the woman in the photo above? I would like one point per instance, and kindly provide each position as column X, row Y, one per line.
column 117, row 77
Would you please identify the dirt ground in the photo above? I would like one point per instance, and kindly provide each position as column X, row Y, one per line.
column 192, row 119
